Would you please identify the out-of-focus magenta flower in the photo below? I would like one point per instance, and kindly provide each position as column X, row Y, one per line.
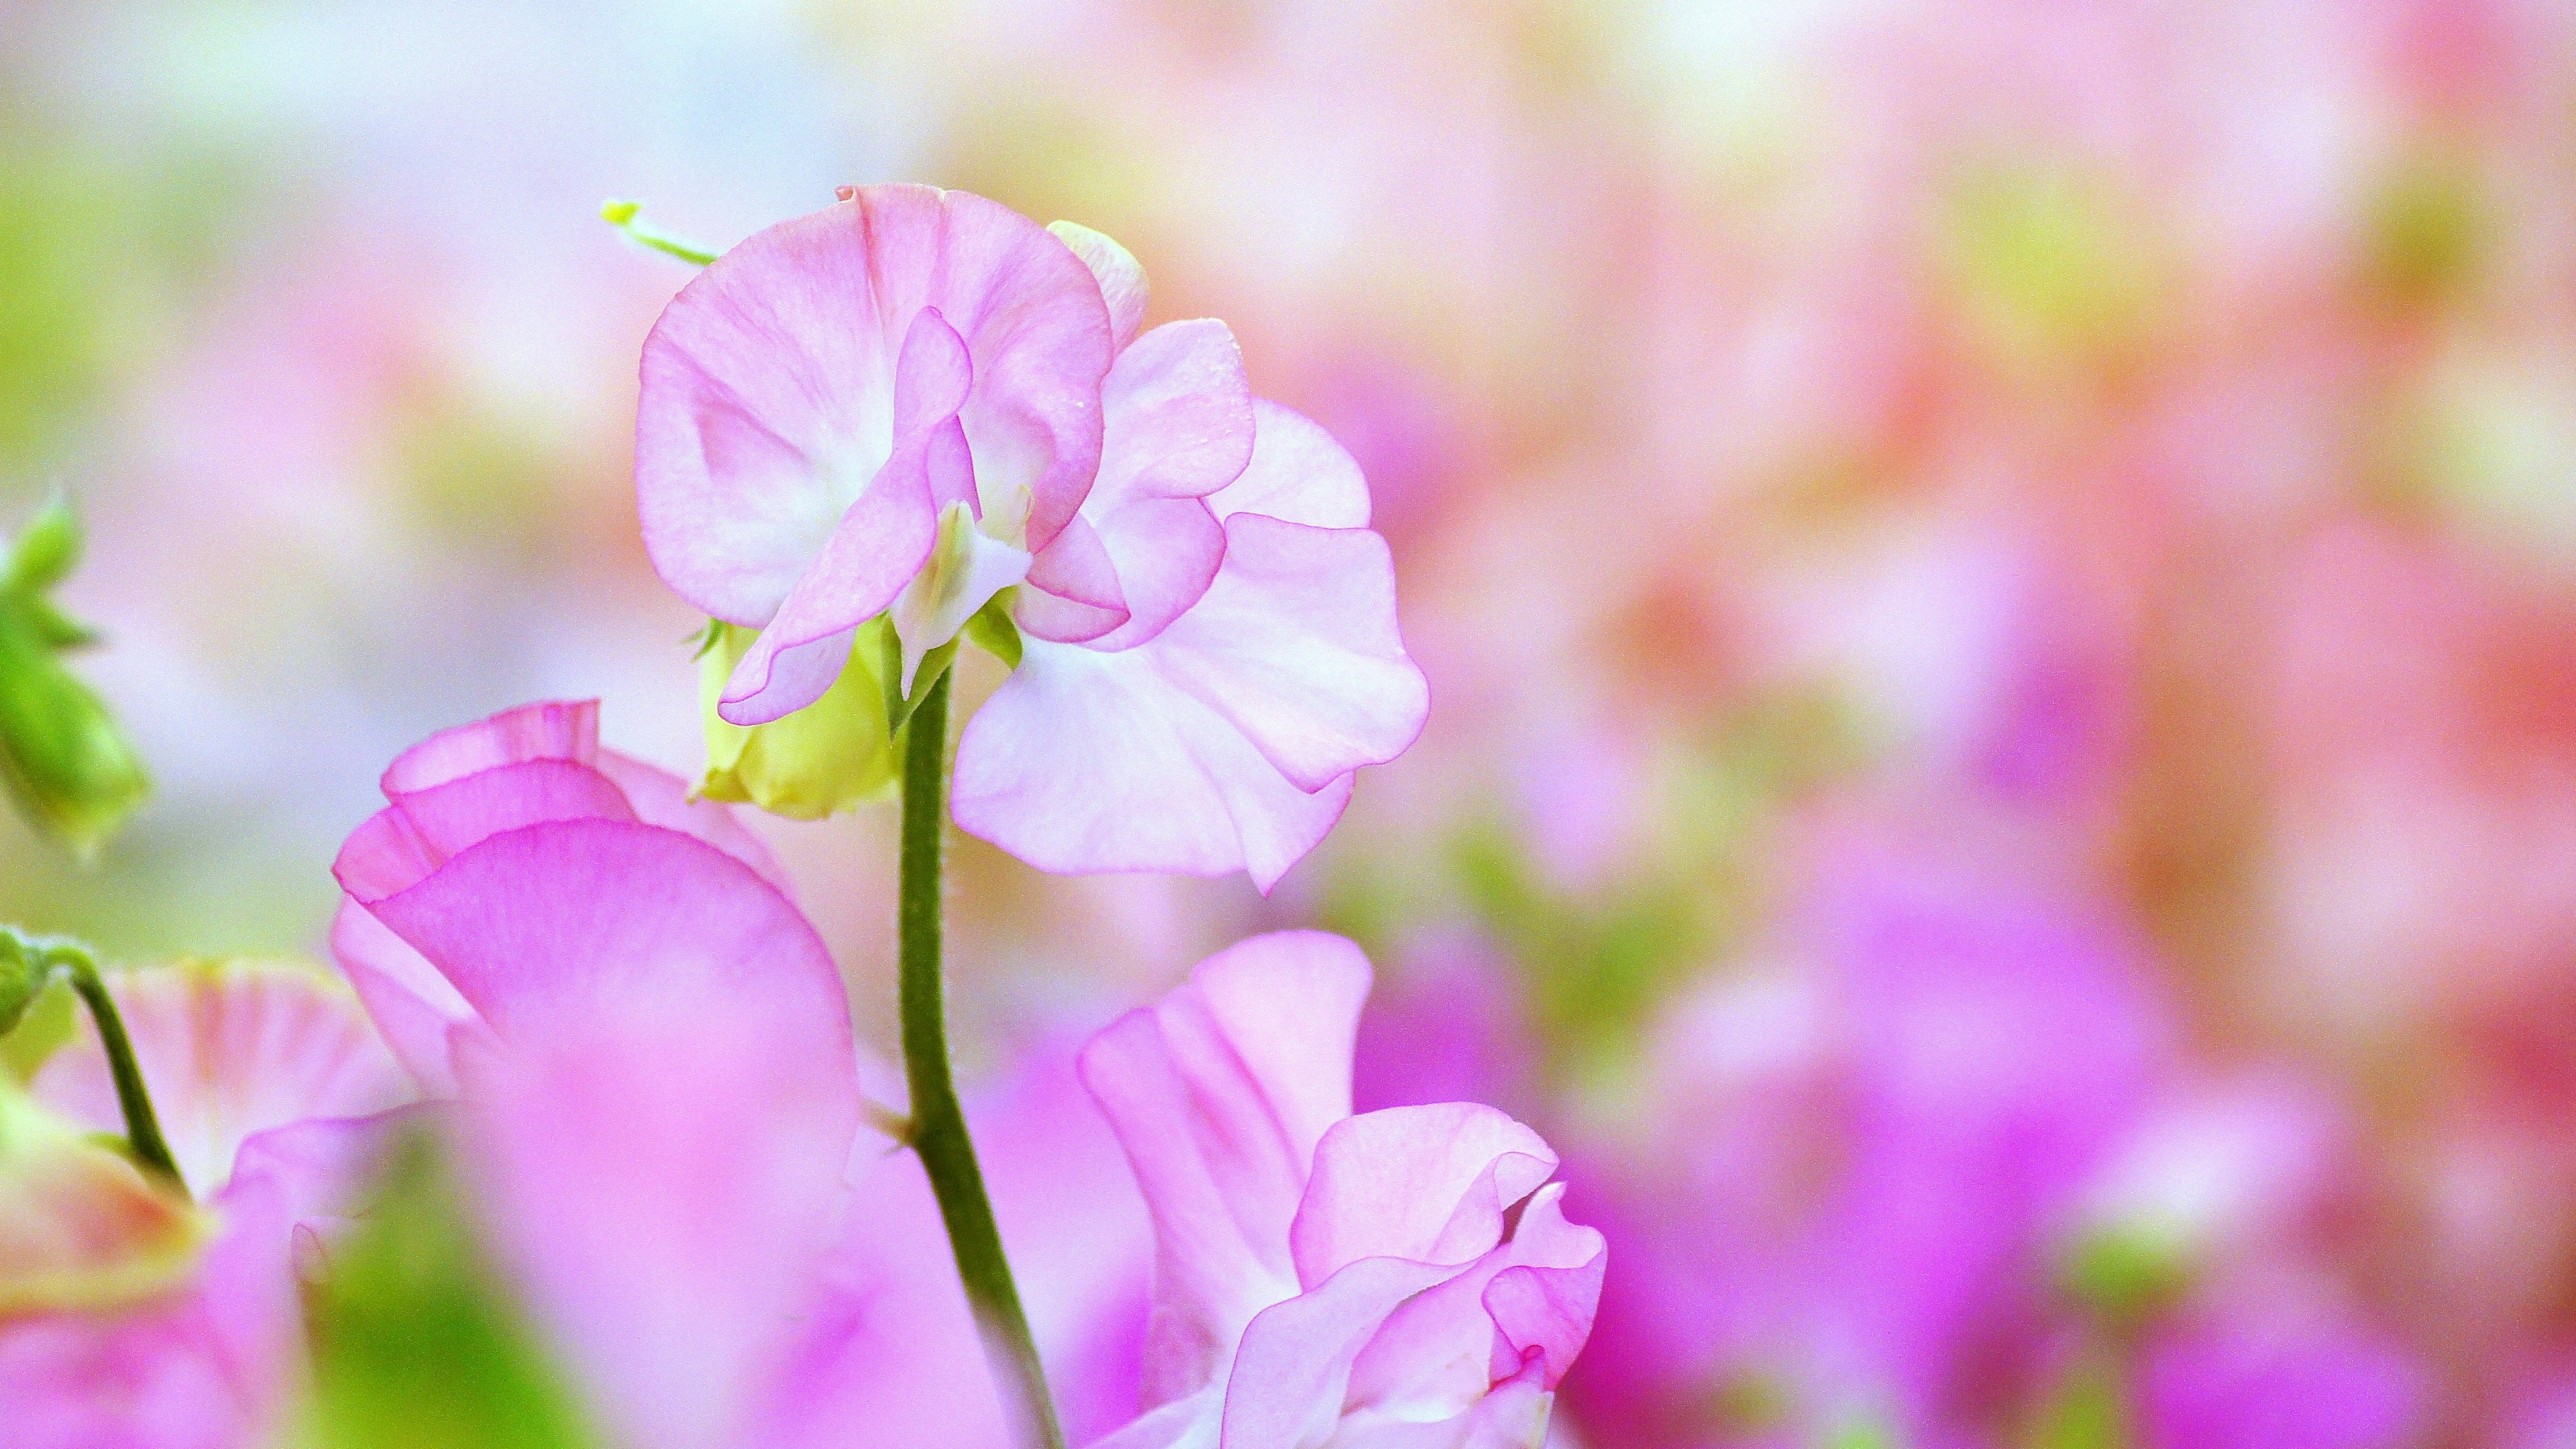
column 1840, row 1219
column 913, row 401
column 651, row 1047
column 1403, row 1277
column 2261, row 1378
column 536, row 763
column 659, row 1111
column 265, row 1077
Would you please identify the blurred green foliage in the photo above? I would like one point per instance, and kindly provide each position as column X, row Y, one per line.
column 62, row 757
column 415, row 1342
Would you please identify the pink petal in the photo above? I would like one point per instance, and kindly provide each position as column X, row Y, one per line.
column 1167, row 552
column 659, row 797
column 1428, row 1183
column 769, row 384
column 557, row 920
column 1297, row 473
column 407, row 840
column 1219, row 1093
column 414, row 1008
column 1121, row 277
column 553, row 730
column 663, row 1175
column 1177, row 414
column 1179, row 426
column 1295, row 644
column 1545, row 1301
column 1085, row 762
column 1073, row 592
column 662, row 1112
column 1293, row 1370
column 230, row 1049
column 1445, row 1347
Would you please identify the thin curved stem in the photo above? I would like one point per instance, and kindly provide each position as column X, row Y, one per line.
column 142, row 1126
column 938, row 1124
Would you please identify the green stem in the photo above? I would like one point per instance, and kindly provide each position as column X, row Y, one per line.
column 938, row 1124
column 142, row 1127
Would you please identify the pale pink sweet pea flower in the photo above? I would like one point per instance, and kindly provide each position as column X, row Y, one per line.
column 267, row 1082
column 1400, row 1278
column 917, row 399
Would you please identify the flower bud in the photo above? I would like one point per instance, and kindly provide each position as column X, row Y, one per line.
column 827, row 757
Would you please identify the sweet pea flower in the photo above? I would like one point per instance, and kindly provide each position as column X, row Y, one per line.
column 1404, row 1277
column 920, row 406
column 269, row 1085
column 657, row 1110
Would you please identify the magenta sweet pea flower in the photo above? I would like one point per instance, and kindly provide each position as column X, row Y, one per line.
column 267, row 1081
column 913, row 401
column 1405, row 1277
column 657, row 1106
column 536, row 763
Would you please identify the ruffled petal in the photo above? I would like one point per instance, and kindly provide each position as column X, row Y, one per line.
column 769, row 386
column 1219, row 1094
column 1085, row 762
column 1297, row 473
column 1295, row 644
column 1428, row 1183
column 1293, row 1371
column 659, row 797
column 548, row 730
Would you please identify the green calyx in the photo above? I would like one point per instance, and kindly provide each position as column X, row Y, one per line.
column 62, row 756
column 838, row 752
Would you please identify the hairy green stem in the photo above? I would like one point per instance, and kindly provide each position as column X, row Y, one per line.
column 142, row 1127
column 938, row 1125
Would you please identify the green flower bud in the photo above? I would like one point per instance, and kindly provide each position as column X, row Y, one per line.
column 61, row 754
column 829, row 756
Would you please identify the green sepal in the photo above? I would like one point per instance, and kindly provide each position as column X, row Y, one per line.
column 24, row 972
column 898, row 706
column 827, row 757
column 45, row 1026
column 46, row 550
column 993, row 631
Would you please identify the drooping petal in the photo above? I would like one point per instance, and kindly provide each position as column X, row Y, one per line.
column 1121, row 277
column 230, row 1049
column 1295, row 644
column 885, row 539
column 1426, row 1183
column 1085, row 762
column 1219, row 1094
column 1297, row 474
column 769, row 385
